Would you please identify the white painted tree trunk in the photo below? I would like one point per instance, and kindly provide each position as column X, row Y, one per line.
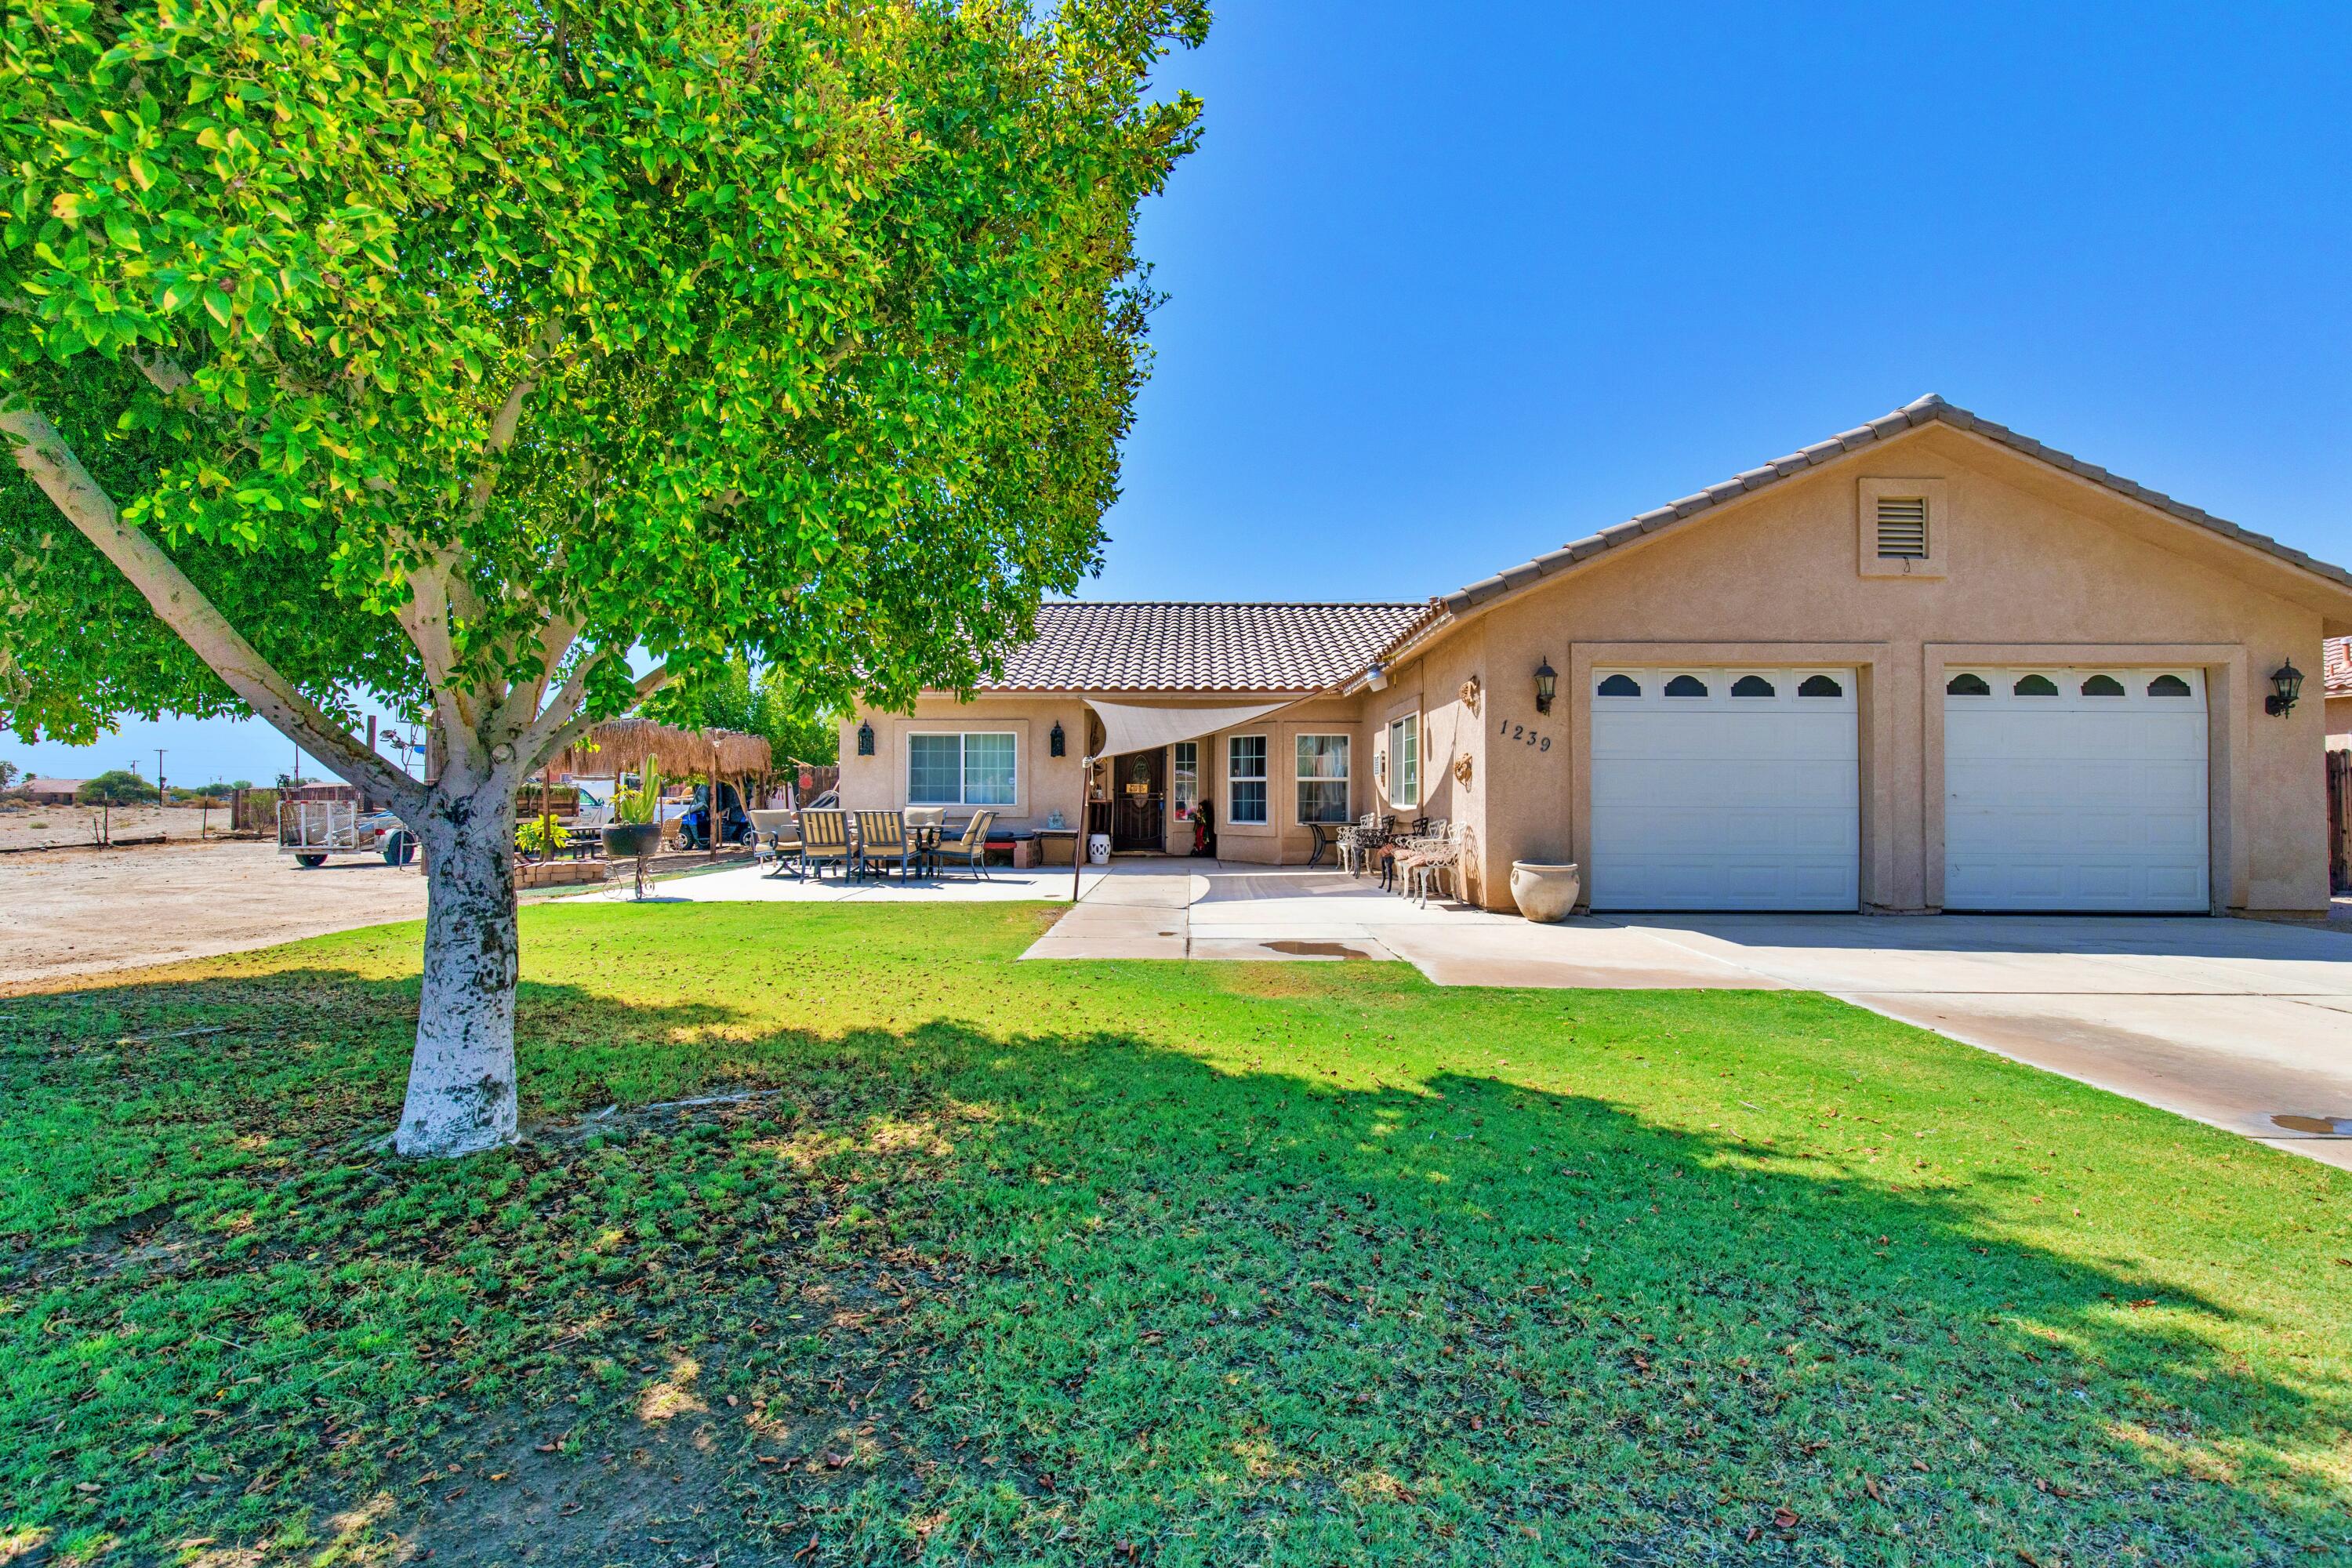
column 461, row 1080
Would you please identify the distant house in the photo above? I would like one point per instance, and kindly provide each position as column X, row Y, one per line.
column 52, row 791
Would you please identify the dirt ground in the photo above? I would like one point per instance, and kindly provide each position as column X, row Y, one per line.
column 24, row 825
column 69, row 911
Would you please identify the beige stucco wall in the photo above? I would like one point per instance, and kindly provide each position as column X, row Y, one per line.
column 2340, row 721
column 2038, row 567
column 1044, row 784
column 1047, row 784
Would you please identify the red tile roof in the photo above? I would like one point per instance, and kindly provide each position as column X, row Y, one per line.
column 1171, row 647
column 2338, row 667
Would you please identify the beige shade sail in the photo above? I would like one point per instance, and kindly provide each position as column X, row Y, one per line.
column 1144, row 727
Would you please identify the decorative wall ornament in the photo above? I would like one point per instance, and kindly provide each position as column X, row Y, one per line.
column 865, row 740
column 1462, row 770
column 1470, row 694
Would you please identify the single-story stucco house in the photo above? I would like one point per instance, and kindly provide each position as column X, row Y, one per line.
column 49, row 791
column 1926, row 664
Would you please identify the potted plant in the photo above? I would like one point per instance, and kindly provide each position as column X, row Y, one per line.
column 635, row 830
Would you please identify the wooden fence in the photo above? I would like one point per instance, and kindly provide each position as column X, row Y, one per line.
column 2339, row 822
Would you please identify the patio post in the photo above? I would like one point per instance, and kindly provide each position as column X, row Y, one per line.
column 1078, row 844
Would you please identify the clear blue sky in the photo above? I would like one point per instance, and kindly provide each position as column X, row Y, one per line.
column 1451, row 286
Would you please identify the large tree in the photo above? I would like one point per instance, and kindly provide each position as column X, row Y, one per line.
column 464, row 351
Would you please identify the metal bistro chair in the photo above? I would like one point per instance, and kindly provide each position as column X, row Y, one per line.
column 1357, row 842
column 1405, row 848
column 824, row 841
column 882, row 838
column 1440, row 864
column 776, row 836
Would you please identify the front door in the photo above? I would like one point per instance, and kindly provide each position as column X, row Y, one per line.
column 1138, row 794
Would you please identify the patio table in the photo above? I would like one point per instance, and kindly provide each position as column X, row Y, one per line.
column 923, row 836
column 1042, row 834
column 926, row 838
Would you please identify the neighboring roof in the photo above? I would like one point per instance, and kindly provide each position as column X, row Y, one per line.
column 1163, row 646
column 1930, row 409
column 2337, row 671
column 50, row 784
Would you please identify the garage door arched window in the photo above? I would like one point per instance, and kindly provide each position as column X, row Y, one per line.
column 1964, row 685
column 2035, row 686
column 1752, row 686
column 1618, row 686
column 1821, row 686
column 2169, row 686
column 1685, row 686
column 2102, row 686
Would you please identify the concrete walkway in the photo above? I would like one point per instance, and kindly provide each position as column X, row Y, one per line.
column 754, row 885
column 2244, row 1024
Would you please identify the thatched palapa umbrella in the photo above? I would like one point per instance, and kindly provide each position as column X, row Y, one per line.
column 632, row 742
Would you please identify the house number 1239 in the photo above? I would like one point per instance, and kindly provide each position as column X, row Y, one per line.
column 1521, row 732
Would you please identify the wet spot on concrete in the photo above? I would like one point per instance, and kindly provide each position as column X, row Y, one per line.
column 2314, row 1126
column 1316, row 949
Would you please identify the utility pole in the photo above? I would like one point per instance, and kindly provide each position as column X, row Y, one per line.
column 161, row 798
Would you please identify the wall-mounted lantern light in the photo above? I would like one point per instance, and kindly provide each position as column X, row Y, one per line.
column 865, row 740
column 2286, row 685
column 1057, row 743
column 1376, row 676
column 1547, row 682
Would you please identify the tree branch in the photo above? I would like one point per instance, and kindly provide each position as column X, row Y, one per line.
column 509, row 418
column 48, row 460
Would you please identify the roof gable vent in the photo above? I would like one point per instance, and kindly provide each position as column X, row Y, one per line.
column 1903, row 528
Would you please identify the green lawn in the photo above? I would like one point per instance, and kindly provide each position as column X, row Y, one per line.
column 1173, row 1264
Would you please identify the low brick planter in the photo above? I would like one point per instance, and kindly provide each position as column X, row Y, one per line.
column 559, row 873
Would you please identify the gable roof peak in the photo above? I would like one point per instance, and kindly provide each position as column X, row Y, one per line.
column 1931, row 409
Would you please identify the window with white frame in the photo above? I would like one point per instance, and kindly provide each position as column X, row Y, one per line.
column 1184, row 777
column 1245, row 779
column 1322, row 778
column 1404, row 761
column 970, row 769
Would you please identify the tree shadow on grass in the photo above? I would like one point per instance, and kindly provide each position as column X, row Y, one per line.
column 1083, row 1298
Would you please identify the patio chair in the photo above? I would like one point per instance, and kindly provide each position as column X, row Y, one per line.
column 882, row 838
column 1405, row 850
column 776, row 836
column 972, row 845
column 824, row 841
column 1359, row 841
column 1439, row 865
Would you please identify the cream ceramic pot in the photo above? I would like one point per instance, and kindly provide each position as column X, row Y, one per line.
column 1545, row 892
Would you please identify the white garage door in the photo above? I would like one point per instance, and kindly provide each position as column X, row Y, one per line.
column 1725, row 789
column 2074, row 789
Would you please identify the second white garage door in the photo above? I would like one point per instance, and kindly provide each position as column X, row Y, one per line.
column 2075, row 790
column 1725, row 789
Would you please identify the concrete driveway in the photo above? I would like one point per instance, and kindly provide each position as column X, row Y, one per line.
column 2244, row 1024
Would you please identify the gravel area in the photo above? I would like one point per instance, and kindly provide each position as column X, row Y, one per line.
column 25, row 828
column 78, row 911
